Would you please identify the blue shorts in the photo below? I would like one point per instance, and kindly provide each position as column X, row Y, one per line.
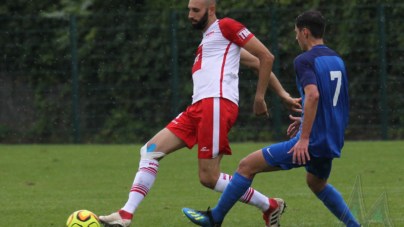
column 277, row 155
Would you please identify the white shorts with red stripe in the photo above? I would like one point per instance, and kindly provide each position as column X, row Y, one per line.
column 206, row 123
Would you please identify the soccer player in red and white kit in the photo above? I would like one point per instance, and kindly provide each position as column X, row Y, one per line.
column 226, row 43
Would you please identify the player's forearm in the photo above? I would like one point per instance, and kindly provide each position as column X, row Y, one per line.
column 254, row 65
column 255, row 70
column 249, row 60
column 265, row 70
column 276, row 86
column 310, row 111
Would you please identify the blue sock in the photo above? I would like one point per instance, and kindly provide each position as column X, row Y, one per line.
column 233, row 192
column 332, row 199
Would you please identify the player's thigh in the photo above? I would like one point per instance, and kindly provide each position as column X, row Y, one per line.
column 166, row 141
column 179, row 133
column 277, row 154
column 219, row 115
column 255, row 163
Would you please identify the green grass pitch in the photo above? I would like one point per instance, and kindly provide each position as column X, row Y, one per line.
column 41, row 185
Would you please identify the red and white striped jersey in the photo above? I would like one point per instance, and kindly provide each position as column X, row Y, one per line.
column 217, row 62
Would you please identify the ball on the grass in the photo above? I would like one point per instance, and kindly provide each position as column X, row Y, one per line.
column 83, row 218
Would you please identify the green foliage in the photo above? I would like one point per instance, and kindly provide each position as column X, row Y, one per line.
column 125, row 64
column 4, row 131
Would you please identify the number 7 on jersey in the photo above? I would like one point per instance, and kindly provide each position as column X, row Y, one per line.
column 336, row 75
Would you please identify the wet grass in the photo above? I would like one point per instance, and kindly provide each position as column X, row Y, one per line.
column 41, row 185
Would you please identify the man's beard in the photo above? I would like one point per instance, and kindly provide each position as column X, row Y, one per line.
column 201, row 24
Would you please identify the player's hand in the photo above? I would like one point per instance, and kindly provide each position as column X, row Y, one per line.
column 260, row 108
column 293, row 104
column 300, row 152
column 294, row 127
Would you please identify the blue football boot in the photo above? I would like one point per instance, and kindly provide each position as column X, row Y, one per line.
column 201, row 218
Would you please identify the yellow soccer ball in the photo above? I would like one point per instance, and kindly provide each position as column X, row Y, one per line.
column 83, row 218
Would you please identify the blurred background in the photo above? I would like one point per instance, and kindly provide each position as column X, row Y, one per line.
column 92, row 71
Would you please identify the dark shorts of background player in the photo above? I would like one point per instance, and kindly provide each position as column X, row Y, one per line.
column 277, row 155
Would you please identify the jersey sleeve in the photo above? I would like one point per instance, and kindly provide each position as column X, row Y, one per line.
column 305, row 72
column 235, row 31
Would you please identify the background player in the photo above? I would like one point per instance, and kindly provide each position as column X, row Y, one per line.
column 323, row 84
column 214, row 108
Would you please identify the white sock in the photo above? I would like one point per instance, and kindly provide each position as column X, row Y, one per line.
column 141, row 185
column 251, row 197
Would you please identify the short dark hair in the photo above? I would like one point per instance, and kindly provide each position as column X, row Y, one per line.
column 312, row 20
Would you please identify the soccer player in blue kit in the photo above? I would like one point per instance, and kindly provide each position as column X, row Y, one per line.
column 316, row 138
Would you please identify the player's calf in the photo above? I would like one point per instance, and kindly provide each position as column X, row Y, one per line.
column 208, row 180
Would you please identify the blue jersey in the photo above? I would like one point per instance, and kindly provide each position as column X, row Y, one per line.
column 324, row 68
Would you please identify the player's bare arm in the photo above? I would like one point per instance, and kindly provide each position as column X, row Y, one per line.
column 249, row 61
column 291, row 103
column 310, row 110
column 293, row 128
column 266, row 59
column 253, row 62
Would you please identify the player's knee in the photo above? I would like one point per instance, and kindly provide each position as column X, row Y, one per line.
column 148, row 152
column 316, row 186
column 245, row 168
